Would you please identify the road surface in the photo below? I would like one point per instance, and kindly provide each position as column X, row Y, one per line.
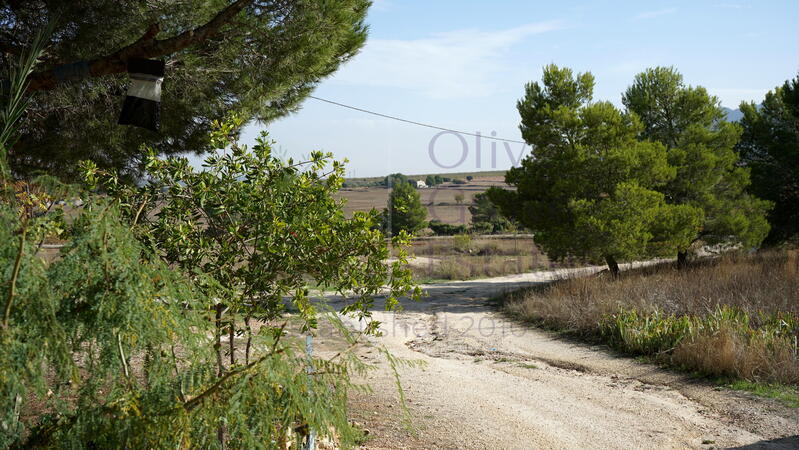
column 488, row 382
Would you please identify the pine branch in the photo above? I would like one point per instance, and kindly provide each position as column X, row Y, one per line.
column 144, row 47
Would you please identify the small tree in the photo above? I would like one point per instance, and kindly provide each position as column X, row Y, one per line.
column 459, row 198
column 700, row 146
column 587, row 189
column 250, row 231
column 394, row 179
column 404, row 212
column 469, row 178
column 769, row 147
column 486, row 216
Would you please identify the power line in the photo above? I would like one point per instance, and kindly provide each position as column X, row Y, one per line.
column 413, row 122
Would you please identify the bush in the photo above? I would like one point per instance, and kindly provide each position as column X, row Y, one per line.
column 734, row 317
column 458, row 181
column 463, row 243
column 118, row 341
column 444, row 229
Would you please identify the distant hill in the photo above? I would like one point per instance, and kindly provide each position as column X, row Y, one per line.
column 733, row 115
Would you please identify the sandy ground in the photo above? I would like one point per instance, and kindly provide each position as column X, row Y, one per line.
column 487, row 382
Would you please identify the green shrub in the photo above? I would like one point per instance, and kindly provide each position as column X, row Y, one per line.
column 463, row 243
column 445, row 229
column 118, row 342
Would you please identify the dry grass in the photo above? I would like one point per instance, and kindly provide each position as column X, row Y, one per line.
column 735, row 316
column 466, row 257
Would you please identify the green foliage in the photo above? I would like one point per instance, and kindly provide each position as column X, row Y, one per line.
column 14, row 100
column 658, row 333
column 262, row 64
column 444, row 229
column 107, row 346
column 469, row 178
column 487, row 218
column 394, row 179
column 118, row 342
column 261, row 228
column 769, row 147
column 690, row 123
column 589, row 187
column 433, row 180
column 458, row 181
column 631, row 222
column 463, row 243
column 404, row 213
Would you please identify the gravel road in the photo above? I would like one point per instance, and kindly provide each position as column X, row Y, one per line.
column 488, row 382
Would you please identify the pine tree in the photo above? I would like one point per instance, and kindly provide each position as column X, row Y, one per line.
column 769, row 147
column 259, row 58
column 404, row 211
column 588, row 187
column 700, row 146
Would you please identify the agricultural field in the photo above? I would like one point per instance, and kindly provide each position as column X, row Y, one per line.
column 439, row 201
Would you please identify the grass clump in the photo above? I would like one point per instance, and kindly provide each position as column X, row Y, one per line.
column 736, row 316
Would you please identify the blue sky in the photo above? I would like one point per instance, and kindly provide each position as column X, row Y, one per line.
column 463, row 65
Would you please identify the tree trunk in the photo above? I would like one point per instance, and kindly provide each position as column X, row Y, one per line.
column 218, row 340
column 220, row 431
column 682, row 259
column 613, row 266
column 232, row 344
column 249, row 340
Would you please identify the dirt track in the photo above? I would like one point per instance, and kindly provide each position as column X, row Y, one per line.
column 490, row 383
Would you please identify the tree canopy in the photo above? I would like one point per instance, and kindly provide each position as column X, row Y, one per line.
column 486, row 216
column 769, row 147
column 117, row 342
column 690, row 123
column 259, row 58
column 404, row 211
column 589, row 186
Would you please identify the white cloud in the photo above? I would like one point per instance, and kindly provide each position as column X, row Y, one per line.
column 458, row 64
column 653, row 14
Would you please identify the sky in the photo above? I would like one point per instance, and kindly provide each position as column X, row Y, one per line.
column 463, row 65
